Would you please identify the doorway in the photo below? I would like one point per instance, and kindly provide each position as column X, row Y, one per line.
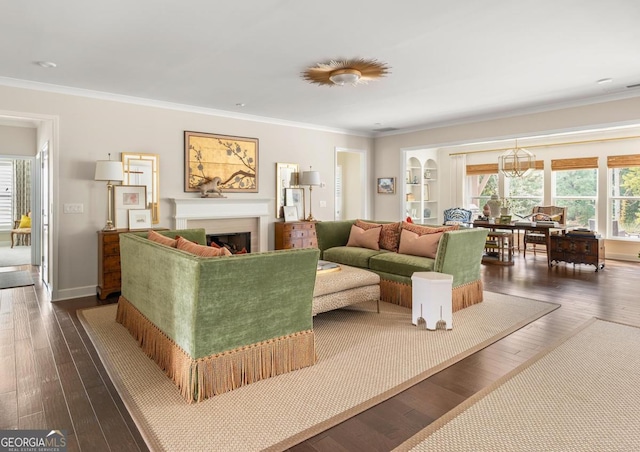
column 351, row 187
column 42, row 193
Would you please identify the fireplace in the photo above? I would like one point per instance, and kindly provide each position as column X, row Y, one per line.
column 236, row 242
column 226, row 216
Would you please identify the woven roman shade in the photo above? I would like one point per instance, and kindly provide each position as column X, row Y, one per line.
column 492, row 168
column 574, row 164
column 623, row 161
column 486, row 168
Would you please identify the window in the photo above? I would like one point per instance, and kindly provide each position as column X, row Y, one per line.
column 524, row 193
column 575, row 186
column 481, row 183
column 6, row 195
column 624, row 196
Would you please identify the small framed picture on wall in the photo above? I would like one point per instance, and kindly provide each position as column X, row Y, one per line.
column 387, row 185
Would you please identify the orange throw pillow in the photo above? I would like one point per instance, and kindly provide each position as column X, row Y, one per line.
column 201, row 250
column 422, row 230
column 364, row 239
column 419, row 245
column 389, row 236
column 159, row 238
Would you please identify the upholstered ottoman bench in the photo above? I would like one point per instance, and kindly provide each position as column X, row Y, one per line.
column 344, row 287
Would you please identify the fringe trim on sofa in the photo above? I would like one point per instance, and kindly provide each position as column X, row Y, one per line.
column 462, row 296
column 199, row 379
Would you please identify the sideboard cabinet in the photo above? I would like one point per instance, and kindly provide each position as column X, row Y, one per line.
column 577, row 250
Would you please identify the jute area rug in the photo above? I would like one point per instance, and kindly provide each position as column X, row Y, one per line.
column 582, row 395
column 363, row 359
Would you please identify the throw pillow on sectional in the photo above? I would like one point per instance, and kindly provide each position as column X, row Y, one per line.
column 361, row 238
column 389, row 235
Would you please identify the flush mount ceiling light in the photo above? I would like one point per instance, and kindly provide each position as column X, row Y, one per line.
column 341, row 72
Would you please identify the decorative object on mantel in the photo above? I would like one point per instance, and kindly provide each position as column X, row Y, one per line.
column 233, row 159
column 312, row 179
column 340, row 72
column 516, row 162
column 110, row 171
column 287, row 175
column 210, row 188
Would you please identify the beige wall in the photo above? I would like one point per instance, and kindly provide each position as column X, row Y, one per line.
column 91, row 128
column 388, row 149
column 17, row 141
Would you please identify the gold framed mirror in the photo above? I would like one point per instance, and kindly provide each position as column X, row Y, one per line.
column 144, row 169
column 286, row 177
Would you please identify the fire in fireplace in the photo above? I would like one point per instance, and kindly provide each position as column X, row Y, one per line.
column 236, row 242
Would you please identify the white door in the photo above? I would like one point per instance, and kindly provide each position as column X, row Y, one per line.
column 46, row 210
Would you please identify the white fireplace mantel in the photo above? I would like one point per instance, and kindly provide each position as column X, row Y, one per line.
column 186, row 209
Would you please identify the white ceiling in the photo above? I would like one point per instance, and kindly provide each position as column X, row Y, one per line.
column 450, row 61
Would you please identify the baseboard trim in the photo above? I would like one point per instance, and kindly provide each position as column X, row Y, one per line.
column 76, row 292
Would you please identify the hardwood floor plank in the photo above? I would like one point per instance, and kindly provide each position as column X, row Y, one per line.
column 8, row 411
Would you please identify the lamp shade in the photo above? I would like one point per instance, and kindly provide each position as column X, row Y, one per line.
column 310, row 178
column 109, row 170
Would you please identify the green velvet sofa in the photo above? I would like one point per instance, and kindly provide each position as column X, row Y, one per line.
column 218, row 323
column 459, row 254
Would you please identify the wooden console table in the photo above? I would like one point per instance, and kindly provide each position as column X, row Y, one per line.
column 577, row 250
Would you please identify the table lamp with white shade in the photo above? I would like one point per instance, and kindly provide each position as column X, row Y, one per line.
column 110, row 171
column 312, row 179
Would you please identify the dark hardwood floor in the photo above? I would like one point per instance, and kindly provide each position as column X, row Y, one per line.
column 51, row 377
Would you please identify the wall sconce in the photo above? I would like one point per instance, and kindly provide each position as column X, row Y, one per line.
column 110, row 171
column 312, row 179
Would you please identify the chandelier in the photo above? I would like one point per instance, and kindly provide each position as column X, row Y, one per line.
column 516, row 162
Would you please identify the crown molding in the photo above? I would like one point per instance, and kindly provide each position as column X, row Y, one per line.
column 81, row 92
column 631, row 93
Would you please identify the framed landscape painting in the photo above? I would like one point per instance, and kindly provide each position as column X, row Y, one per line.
column 233, row 159
column 387, row 185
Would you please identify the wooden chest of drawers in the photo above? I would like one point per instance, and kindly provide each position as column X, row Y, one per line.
column 108, row 262
column 296, row 235
column 577, row 250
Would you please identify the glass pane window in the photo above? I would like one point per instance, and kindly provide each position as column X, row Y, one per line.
column 6, row 195
column 524, row 193
column 479, row 190
column 577, row 190
column 625, row 202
